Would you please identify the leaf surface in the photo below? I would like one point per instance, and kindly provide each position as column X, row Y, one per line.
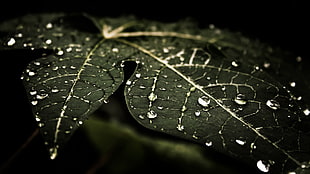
column 210, row 86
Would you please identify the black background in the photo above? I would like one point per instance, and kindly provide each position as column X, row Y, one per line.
column 283, row 24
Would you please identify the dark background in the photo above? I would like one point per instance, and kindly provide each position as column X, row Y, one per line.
column 283, row 24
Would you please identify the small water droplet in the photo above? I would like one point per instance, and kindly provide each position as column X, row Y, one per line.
column 305, row 165
column 34, row 102
column 180, row 127
column 208, row 143
column 253, row 146
column 31, row 73
column 59, row 52
column 55, row 90
column 306, row 112
column 38, row 118
column 293, row 84
column 235, row 63
column 11, row 42
column 204, row 101
column 129, row 82
column 266, row 65
column 298, row 59
column 197, row 113
column 49, row 25
column 138, row 75
column 37, row 63
column 273, row 104
column 142, row 87
column 41, row 124
column 41, row 96
column 80, row 122
column 141, row 117
column 48, row 41
column 33, row 92
column 223, row 88
column 53, row 153
column 115, row 50
column 263, row 166
column 240, row 142
column 151, row 114
column 152, row 97
column 240, row 99
column 55, row 68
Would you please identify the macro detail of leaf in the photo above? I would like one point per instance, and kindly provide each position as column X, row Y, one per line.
column 209, row 86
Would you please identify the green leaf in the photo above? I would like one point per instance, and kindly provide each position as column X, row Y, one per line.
column 209, row 86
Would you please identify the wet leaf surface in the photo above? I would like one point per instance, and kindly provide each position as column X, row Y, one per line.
column 209, row 86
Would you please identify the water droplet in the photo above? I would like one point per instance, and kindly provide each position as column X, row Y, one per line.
column 152, row 96
column 204, row 101
column 41, row 96
column 151, row 114
column 53, row 153
column 235, row 63
column 263, row 166
column 141, row 117
column 266, row 65
column 33, row 92
column 80, row 122
column 41, row 124
column 253, row 146
column 37, row 63
column 38, row 118
column 142, row 87
column 240, row 142
column 31, row 73
column 240, row 99
column 197, row 113
column 208, row 143
column 298, row 59
column 306, row 112
column 115, row 50
column 48, row 41
column 293, row 84
column 49, row 26
column 273, row 104
column 34, row 102
column 59, row 52
column 128, row 82
column 180, row 127
column 305, row 165
column 55, row 90
column 138, row 75
column 11, row 42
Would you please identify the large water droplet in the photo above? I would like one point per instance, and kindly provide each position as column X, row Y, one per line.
column 34, row 102
column 204, row 101
column 151, row 114
column 240, row 99
column 293, row 84
column 197, row 113
column 273, row 104
column 49, row 25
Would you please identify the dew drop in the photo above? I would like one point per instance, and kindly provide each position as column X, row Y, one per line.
column 33, row 92
column 48, row 41
column 197, row 113
column 37, row 63
column 180, row 127
column 298, row 59
column 306, row 112
column 80, row 122
column 235, row 63
column 151, row 114
column 240, row 99
column 266, row 65
column 31, row 73
column 41, row 96
column 59, row 52
column 128, row 82
column 208, row 143
column 49, row 26
column 263, row 165
column 273, row 104
column 204, row 101
column 41, row 124
column 34, row 102
column 55, row 90
column 240, row 142
column 138, row 75
column 293, row 84
column 115, row 50
column 53, row 153
column 152, row 97
column 11, row 42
